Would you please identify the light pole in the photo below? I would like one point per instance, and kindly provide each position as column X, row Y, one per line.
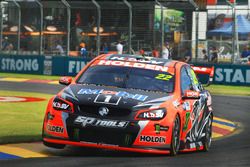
column 162, row 26
column 1, row 26
column 98, row 41
column 130, row 24
column 235, row 41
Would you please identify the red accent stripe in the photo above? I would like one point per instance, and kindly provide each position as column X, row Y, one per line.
column 110, row 147
column 221, row 130
column 192, row 149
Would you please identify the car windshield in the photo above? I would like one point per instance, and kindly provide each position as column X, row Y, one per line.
column 126, row 77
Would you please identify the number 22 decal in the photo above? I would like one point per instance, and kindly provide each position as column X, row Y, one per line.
column 164, row 77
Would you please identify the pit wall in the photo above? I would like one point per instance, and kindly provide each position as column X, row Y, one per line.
column 226, row 74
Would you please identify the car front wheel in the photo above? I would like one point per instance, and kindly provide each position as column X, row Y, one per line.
column 175, row 142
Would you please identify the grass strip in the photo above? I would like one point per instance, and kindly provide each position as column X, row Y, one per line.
column 229, row 90
column 22, row 121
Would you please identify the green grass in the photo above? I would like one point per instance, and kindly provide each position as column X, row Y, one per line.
column 21, row 121
column 30, row 76
column 229, row 90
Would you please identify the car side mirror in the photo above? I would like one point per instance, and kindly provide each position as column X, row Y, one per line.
column 65, row 80
column 190, row 94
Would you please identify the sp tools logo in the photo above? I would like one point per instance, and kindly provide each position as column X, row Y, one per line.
column 103, row 111
column 90, row 121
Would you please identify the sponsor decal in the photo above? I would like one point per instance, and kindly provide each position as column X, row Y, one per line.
column 186, row 121
column 153, row 139
column 192, row 94
column 19, row 99
column 119, row 94
column 57, row 129
column 230, row 75
column 59, row 105
column 11, row 64
column 163, row 77
column 90, row 121
column 107, row 99
column 159, row 128
column 186, row 106
column 176, row 103
column 153, row 115
column 133, row 64
column 136, row 60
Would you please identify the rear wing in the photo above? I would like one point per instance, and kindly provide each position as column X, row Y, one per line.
column 205, row 71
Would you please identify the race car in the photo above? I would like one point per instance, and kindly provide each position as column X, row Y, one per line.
column 132, row 103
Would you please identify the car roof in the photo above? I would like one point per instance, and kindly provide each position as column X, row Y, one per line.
column 139, row 59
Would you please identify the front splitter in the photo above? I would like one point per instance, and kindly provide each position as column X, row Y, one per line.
column 106, row 146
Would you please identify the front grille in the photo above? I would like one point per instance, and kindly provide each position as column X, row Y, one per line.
column 107, row 137
column 113, row 112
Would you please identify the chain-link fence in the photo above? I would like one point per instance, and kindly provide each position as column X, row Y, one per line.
column 68, row 27
column 10, row 31
column 228, row 33
column 54, row 28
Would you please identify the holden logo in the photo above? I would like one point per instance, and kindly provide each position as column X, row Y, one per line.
column 103, row 111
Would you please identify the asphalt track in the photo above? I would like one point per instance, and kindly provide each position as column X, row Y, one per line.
column 230, row 151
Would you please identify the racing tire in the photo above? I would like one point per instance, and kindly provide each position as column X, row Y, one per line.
column 208, row 134
column 53, row 145
column 175, row 141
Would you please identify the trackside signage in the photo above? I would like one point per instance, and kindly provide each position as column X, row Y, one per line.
column 227, row 74
column 21, row 64
column 232, row 75
column 69, row 66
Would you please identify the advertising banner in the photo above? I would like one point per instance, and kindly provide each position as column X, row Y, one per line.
column 228, row 74
column 225, row 74
column 232, row 75
column 22, row 64
column 68, row 66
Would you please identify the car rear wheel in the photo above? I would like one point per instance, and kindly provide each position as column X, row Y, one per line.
column 53, row 145
column 175, row 141
column 208, row 134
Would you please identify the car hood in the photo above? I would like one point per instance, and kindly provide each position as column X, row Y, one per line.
column 132, row 99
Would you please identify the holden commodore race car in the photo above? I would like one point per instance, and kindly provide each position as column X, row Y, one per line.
column 132, row 103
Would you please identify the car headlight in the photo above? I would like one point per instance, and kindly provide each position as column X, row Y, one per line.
column 62, row 105
column 156, row 114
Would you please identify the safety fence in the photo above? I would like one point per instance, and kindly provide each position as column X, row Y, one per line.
column 228, row 31
column 226, row 74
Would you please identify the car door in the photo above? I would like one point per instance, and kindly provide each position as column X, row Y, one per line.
column 192, row 108
column 201, row 106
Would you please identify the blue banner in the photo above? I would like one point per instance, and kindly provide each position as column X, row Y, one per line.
column 226, row 74
column 232, row 75
column 68, row 66
column 22, row 64
column 229, row 74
